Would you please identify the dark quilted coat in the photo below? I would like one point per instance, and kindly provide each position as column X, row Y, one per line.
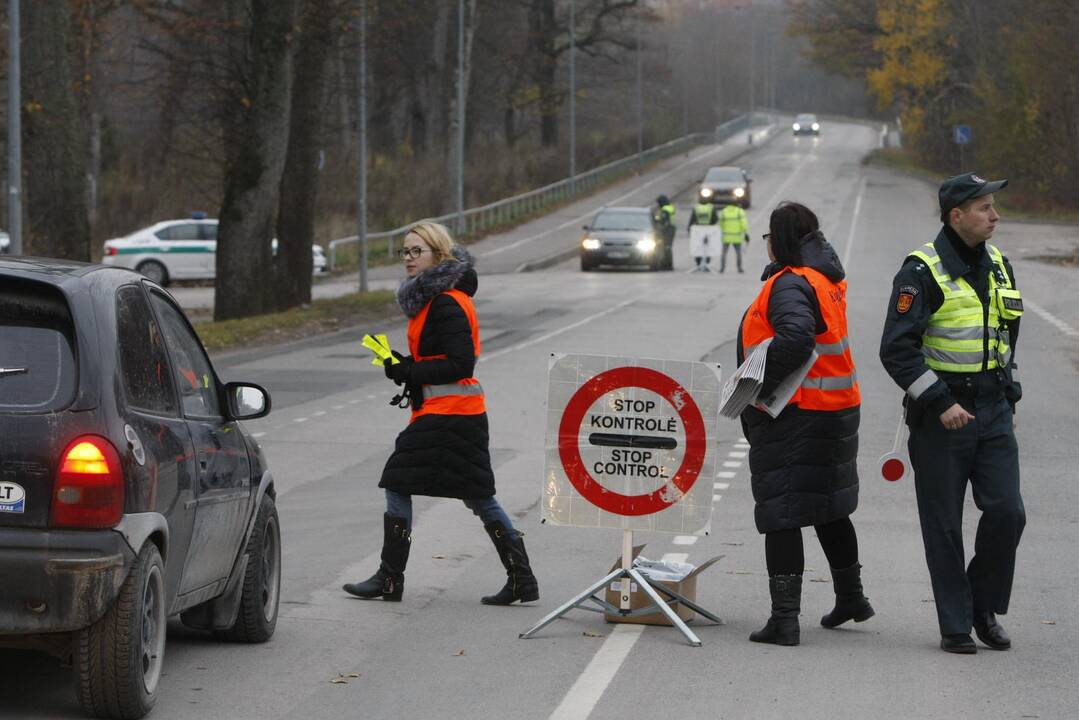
column 804, row 462
column 442, row 455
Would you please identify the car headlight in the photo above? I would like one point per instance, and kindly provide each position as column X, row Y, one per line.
column 646, row 245
column 815, row 126
column 796, row 127
column 590, row 243
column 706, row 192
column 739, row 192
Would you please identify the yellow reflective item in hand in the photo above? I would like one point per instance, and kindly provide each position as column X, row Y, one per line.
column 380, row 346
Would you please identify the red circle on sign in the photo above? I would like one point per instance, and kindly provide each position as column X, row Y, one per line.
column 570, row 452
column 893, row 469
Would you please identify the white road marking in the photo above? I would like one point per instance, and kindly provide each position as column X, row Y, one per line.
column 338, row 407
column 684, row 539
column 257, row 435
column 318, row 412
column 1051, row 319
column 299, row 420
column 853, row 227
column 353, row 402
column 741, row 446
column 590, row 686
column 726, row 474
column 559, row 331
column 731, row 463
column 716, row 498
column 675, row 557
column 721, row 486
column 736, row 454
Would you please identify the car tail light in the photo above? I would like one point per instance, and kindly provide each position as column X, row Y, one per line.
column 89, row 489
column 110, row 250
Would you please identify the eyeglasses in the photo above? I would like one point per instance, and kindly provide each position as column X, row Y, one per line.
column 766, row 237
column 411, row 252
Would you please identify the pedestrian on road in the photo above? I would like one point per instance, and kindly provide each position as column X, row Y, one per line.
column 704, row 213
column 663, row 222
column 735, row 226
column 803, row 462
column 948, row 342
column 444, row 450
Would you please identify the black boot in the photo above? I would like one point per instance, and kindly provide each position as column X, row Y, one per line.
column 389, row 581
column 520, row 583
column 782, row 626
column 850, row 603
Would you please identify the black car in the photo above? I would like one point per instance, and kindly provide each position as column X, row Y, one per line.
column 128, row 490
column 806, row 124
column 623, row 236
column 726, row 185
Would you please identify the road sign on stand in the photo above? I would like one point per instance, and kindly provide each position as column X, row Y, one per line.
column 961, row 136
column 630, row 446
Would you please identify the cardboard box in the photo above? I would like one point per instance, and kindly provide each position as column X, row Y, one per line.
column 687, row 587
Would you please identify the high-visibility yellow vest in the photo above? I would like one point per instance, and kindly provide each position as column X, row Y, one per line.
column 702, row 213
column 958, row 334
column 734, row 224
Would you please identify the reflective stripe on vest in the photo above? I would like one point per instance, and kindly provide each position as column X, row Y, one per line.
column 464, row 397
column 733, row 223
column 832, row 383
column 960, row 337
column 702, row 213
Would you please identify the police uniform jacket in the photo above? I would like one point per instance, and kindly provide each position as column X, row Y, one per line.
column 915, row 297
column 803, row 463
column 437, row 454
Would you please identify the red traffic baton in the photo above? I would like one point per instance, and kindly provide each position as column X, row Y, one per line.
column 895, row 465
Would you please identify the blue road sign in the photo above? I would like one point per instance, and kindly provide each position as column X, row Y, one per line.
column 961, row 134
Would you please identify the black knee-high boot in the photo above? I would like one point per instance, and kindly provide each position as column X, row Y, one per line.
column 782, row 627
column 388, row 582
column 850, row 603
column 520, row 582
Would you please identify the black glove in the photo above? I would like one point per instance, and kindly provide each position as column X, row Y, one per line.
column 399, row 371
column 747, row 238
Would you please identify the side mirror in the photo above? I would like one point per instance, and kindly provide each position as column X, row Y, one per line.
column 246, row 401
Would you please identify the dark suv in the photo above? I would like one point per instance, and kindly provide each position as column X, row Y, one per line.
column 128, row 490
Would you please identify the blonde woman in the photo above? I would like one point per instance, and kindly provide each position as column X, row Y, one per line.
column 443, row 451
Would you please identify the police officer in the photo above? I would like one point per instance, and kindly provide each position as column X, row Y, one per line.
column 704, row 213
column 948, row 342
column 735, row 226
column 663, row 221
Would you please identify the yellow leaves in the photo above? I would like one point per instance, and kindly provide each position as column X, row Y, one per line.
column 245, row 101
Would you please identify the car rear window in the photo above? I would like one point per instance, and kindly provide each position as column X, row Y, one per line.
column 37, row 359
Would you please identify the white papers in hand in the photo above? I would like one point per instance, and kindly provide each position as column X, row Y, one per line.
column 744, row 384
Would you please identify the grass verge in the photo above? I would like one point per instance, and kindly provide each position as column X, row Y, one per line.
column 318, row 318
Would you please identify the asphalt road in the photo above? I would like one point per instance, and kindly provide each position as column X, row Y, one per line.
column 441, row 654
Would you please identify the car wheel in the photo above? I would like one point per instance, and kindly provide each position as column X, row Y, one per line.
column 119, row 657
column 587, row 265
column 257, row 617
column 155, row 271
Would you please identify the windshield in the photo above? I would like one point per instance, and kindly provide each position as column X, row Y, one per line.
column 806, row 118
column 723, row 175
column 622, row 220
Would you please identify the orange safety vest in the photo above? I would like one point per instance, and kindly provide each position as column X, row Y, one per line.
column 832, row 382
column 464, row 397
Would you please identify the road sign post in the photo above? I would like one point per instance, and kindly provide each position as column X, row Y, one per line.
column 961, row 136
column 627, row 442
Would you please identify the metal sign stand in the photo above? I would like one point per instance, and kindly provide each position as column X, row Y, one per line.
column 628, row 574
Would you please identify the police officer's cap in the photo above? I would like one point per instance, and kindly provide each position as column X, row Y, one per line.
column 957, row 190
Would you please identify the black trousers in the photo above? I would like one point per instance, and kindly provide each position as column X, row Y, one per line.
column 985, row 454
column 723, row 255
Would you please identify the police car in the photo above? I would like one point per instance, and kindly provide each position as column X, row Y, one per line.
column 178, row 250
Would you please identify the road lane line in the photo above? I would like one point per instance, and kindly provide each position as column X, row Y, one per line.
column 726, row 474
column 731, row 464
column 716, row 498
column 853, row 227
column 1051, row 319
column 721, row 486
column 559, row 331
column 590, row 686
column 684, row 539
column 736, row 454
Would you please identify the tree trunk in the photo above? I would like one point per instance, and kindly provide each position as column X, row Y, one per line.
column 54, row 139
column 256, row 125
column 543, row 31
column 460, row 81
column 299, row 183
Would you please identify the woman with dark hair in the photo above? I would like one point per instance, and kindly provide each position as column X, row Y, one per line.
column 444, row 449
column 804, row 461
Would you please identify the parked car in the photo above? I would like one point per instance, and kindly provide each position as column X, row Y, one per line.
column 622, row 236
column 5, row 243
column 725, row 185
column 806, row 124
column 129, row 490
column 178, row 250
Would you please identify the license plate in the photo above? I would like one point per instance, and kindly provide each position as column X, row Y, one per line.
column 617, row 254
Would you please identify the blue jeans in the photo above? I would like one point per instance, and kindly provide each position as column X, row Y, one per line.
column 488, row 510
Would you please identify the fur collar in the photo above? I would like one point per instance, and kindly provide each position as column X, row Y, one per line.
column 415, row 292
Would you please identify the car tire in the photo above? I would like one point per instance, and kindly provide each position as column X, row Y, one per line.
column 257, row 617
column 120, row 656
column 587, row 265
column 155, row 271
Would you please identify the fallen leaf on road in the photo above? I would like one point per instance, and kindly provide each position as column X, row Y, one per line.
column 818, row 580
column 459, row 653
column 439, row 557
column 733, row 544
column 350, row 674
column 339, row 681
column 1049, row 622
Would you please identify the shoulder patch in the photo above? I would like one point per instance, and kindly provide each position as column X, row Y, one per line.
column 905, row 299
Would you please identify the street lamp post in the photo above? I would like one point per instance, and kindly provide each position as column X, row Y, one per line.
column 361, row 123
column 14, row 132
column 640, row 103
column 572, row 98
column 460, row 117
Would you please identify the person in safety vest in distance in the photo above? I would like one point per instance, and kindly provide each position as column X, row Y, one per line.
column 735, row 227
column 704, row 213
column 948, row 342
column 444, row 450
column 803, row 463
column 663, row 222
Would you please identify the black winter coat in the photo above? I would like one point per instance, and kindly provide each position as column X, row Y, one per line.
column 441, row 455
column 804, row 462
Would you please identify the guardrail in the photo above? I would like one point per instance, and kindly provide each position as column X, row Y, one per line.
column 475, row 221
